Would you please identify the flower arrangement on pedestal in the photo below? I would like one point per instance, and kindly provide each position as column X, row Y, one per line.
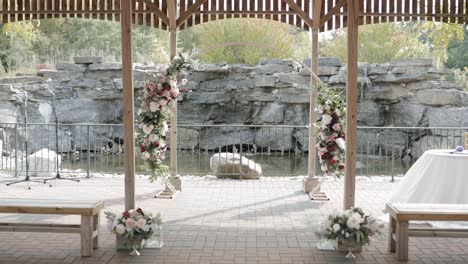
column 350, row 229
column 330, row 131
column 155, row 112
column 134, row 225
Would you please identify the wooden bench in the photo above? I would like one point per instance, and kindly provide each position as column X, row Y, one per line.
column 89, row 211
column 401, row 214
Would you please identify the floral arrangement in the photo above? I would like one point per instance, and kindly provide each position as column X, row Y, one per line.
column 351, row 225
column 330, row 131
column 135, row 225
column 155, row 112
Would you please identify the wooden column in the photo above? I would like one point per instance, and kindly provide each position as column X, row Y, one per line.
column 128, row 103
column 172, row 15
column 310, row 184
column 351, row 105
column 176, row 180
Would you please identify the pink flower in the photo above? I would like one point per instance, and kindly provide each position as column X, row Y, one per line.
column 330, row 138
column 336, row 127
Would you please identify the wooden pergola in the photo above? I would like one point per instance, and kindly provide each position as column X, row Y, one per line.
column 174, row 15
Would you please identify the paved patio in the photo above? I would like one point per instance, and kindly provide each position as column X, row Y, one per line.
column 217, row 221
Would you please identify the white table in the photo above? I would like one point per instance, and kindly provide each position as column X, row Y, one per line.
column 436, row 177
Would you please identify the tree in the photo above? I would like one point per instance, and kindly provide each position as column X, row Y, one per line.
column 457, row 53
column 377, row 43
column 212, row 35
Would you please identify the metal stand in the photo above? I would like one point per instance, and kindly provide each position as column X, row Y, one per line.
column 27, row 178
column 57, row 176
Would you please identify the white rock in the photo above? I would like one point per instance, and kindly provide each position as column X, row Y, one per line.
column 41, row 164
column 227, row 164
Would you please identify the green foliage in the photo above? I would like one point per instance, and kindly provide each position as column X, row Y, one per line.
column 49, row 41
column 459, row 76
column 457, row 53
column 212, row 35
column 377, row 43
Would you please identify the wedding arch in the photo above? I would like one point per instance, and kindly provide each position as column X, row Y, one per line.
column 172, row 15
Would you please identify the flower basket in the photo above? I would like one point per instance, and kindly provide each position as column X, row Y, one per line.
column 135, row 230
column 345, row 245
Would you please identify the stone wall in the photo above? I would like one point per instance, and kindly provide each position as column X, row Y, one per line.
column 404, row 93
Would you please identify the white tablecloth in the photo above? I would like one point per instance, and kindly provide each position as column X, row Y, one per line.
column 436, row 177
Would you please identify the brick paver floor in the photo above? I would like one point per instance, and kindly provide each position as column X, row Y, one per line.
column 217, row 221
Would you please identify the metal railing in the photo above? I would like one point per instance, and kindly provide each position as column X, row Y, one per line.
column 281, row 150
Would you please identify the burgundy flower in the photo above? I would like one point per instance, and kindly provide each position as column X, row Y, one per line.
column 142, row 148
column 341, row 167
column 140, row 211
column 331, row 148
column 126, row 214
column 334, row 115
column 156, row 144
column 332, row 161
column 167, row 87
column 326, row 156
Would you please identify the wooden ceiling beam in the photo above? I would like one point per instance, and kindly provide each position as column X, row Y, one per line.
column 157, row 11
column 333, row 11
column 189, row 12
column 298, row 10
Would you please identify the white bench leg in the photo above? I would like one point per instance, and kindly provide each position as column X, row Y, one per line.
column 97, row 229
column 86, row 235
column 402, row 240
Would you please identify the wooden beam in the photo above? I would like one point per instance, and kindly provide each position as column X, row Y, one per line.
column 298, row 10
column 128, row 101
column 189, row 12
column 332, row 11
column 171, row 12
column 157, row 11
column 351, row 105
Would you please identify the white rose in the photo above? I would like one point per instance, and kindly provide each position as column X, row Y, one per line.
column 153, row 138
column 184, row 81
column 341, row 143
column 120, row 229
column 154, row 106
column 326, row 119
column 338, row 112
column 346, row 234
column 145, row 155
column 148, row 129
column 336, row 228
column 163, row 102
column 353, row 223
column 141, row 223
column 130, row 223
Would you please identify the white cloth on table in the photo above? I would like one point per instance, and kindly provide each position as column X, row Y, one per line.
column 438, row 176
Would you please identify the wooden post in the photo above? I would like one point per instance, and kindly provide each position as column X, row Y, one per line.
column 351, row 105
column 128, row 98
column 176, row 180
column 309, row 184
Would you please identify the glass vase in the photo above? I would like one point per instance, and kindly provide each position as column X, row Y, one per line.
column 156, row 239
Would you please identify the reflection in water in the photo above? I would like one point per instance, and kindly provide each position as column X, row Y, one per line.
column 272, row 165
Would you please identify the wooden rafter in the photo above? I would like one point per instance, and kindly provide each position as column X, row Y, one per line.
column 317, row 9
column 305, row 17
column 157, row 11
column 189, row 12
column 333, row 11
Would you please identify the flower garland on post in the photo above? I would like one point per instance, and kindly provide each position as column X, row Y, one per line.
column 155, row 112
column 330, row 134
